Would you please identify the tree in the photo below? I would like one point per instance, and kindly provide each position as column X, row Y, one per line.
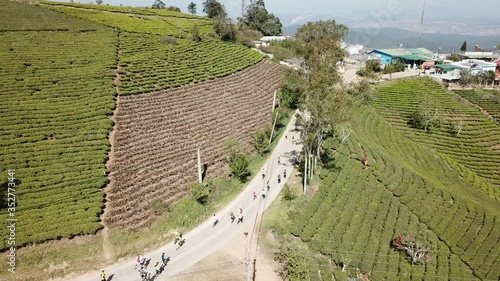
column 201, row 191
column 426, row 116
column 325, row 101
column 454, row 57
column 415, row 249
column 257, row 17
column 293, row 265
column 224, row 29
column 261, row 141
column 464, row 47
column 239, row 167
column 214, row 9
column 195, row 36
column 158, row 4
column 291, row 89
column 192, row 8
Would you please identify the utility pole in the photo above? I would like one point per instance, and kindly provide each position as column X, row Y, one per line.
column 274, row 125
column 421, row 25
column 247, row 257
column 198, row 147
column 274, row 101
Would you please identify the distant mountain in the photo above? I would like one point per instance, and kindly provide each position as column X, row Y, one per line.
column 393, row 37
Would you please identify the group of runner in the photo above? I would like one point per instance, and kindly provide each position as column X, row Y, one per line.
column 142, row 264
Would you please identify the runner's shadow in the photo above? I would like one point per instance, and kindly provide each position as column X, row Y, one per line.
column 110, row 277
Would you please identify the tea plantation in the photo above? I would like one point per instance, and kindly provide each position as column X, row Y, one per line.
column 406, row 189
column 62, row 66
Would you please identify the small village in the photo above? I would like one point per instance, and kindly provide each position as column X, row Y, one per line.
column 448, row 68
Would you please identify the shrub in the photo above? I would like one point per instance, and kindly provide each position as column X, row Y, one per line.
column 288, row 193
column 239, row 167
column 168, row 40
column 415, row 249
column 159, row 207
column 201, row 191
column 261, row 140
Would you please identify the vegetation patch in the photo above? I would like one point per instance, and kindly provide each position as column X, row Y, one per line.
column 54, row 125
column 149, row 65
column 466, row 135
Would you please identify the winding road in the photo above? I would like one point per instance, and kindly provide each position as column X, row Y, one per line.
column 205, row 239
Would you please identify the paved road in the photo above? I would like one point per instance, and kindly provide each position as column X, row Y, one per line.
column 205, row 238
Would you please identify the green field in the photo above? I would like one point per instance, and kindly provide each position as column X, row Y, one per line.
column 54, row 129
column 150, row 24
column 488, row 100
column 475, row 148
column 127, row 10
column 57, row 77
column 149, row 65
column 407, row 188
column 15, row 16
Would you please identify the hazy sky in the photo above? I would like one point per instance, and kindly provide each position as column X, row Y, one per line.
column 349, row 8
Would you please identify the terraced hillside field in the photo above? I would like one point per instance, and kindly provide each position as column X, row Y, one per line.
column 148, row 65
column 133, row 22
column 406, row 189
column 157, row 135
column 58, row 75
column 488, row 100
column 55, row 100
column 476, row 148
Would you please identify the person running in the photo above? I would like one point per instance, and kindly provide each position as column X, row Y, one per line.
column 177, row 237
column 278, row 159
column 231, row 215
column 263, row 175
column 240, row 218
column 216, row 220
column 286, row 137
column 103, row 275
column 263, row 194
column 279, row 178
column 163, row 259
column 254, row 194
column 284, row 173
column 268, row 186
column 158, row 269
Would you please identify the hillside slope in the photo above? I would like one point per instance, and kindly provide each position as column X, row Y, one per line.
column 53, row 120
column 406, row 189
column 60, row 64
column 157, row 134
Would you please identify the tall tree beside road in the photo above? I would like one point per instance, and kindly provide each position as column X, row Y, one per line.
column 258, row 18
column 192, row 8
column 326, row 99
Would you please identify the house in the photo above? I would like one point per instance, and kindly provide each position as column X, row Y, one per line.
column 353, row 50
column 447, row 72
column 413, row 57
column 486, row 56
column 497, row 69
column 476, row 66
column 264, row 41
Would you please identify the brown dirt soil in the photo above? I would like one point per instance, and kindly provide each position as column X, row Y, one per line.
column 156, row 137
